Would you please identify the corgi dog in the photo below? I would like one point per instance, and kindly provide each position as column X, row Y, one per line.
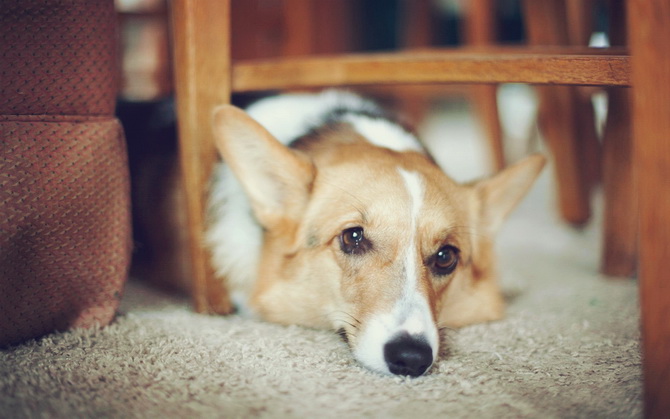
column 328, row 214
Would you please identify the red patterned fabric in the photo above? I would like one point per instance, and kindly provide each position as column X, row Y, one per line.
column 64, row 184
column 56, row 56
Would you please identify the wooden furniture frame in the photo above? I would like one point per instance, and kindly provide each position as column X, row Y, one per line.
column 565, row 115
column 206, row 77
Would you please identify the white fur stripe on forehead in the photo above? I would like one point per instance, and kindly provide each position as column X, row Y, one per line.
column 412, row 310
column 416, row 305
column 414, row 186
column 383, row 133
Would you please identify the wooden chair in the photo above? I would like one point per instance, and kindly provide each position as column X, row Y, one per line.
column 205, row 77
column 567, row 120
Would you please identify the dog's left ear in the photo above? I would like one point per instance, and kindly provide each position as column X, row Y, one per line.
column 500, row 194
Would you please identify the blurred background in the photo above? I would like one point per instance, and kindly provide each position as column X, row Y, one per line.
column 472, row 131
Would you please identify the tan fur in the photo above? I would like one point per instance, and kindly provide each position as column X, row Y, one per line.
column 307, row 197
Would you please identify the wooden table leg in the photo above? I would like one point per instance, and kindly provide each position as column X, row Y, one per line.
column 649, row 32
column 202, row 80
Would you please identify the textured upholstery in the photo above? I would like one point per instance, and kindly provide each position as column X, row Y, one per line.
column 64, row 187
column 58, row 57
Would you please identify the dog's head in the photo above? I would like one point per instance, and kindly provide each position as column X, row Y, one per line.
column 378, row 244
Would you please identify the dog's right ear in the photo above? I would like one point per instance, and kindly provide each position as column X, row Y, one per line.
column 500, row 194
column 276, row 179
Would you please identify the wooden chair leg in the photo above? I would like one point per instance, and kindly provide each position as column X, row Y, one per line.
column 481, row 31
column 648, row 36
column 620, row 229
column 580, row 24
column 486, row 106
column 201, row 60
column 590, row 146
column 561, row 131
column 559, row 107
column 619, row 256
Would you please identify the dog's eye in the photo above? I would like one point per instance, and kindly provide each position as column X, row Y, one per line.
column 353, row 241
column 445, row 260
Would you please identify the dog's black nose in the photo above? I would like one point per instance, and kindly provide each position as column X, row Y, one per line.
column 406, row 355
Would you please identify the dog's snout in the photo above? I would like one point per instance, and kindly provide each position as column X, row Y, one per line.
column 405, row 355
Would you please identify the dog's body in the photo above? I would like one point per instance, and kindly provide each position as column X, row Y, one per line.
column 353, row 227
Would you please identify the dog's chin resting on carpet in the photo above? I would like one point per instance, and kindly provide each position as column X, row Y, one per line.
column 326, row 213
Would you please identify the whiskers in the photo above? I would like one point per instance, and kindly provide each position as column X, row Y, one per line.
column 342, row 317
column 444, row 334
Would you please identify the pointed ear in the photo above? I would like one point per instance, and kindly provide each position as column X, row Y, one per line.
column 276, row 179
column 500, row 194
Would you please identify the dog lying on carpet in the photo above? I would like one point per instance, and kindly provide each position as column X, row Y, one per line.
column 328, row 214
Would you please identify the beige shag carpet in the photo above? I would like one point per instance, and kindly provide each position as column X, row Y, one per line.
column 569, row 347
